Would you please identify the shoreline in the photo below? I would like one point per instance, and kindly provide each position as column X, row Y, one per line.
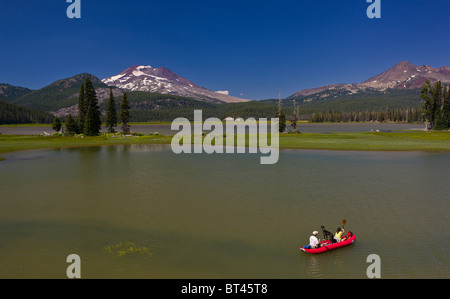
column 167, row 123
column 367, row 141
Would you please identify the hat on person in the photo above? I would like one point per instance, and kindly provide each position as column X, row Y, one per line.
column 315, row 232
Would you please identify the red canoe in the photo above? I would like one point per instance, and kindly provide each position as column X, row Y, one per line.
column 327, row 245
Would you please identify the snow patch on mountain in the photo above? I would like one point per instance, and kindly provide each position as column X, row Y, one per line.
column 404, row 75
column 163, row 80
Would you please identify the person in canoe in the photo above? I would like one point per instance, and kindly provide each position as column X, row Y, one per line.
column 314, row 242
column 338, row 236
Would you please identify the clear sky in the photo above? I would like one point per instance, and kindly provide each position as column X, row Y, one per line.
column 254, row 49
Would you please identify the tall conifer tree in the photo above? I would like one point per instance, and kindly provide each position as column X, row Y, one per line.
column 56, row 125
column 92, row 123
column 436, row 105
column 82, row 110
column 111, row 114
column 282, row 118
column 125, row 114
column 427, row 105
column 446, row 105
column 71, row 125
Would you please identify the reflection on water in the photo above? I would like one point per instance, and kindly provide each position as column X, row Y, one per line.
column 313, row 267
column 338, row 263
column 221, row 216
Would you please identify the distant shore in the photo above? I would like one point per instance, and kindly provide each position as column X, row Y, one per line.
column 164, row 128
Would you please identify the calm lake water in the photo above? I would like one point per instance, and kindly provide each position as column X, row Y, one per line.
column 222, row 216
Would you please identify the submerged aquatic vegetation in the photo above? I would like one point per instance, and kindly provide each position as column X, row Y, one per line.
column 127, row 248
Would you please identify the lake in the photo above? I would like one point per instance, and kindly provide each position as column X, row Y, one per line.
column 221, row 216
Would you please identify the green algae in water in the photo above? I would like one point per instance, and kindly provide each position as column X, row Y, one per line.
column 127, row 248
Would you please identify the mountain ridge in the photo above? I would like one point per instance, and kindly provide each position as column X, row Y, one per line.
column 397, row 87
column 10, row 92
column 403, row 75
column 61, row 93
column 163, row 80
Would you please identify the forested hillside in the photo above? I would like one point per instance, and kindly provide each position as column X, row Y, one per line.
column 15, row 114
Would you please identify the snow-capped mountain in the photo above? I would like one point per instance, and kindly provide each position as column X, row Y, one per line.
column 163, row 80
column 404, row 75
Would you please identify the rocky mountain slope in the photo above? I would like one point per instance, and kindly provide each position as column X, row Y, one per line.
column 164, row 81
column 9, row 92
column 402, row 76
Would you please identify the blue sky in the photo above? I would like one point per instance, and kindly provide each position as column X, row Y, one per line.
column 254, row 49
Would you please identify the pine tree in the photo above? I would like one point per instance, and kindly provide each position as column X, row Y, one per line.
column 82, row 109
column 111, row 114
column 125, row 114
column 56, row 125
column 446, row 105
column 92, row 124
column 428, row 113
column 436, row 95
column 436, row 105
column 442, row 110
column 294, row 118
column 71, row 125
column 441, row 122
column 282, row 118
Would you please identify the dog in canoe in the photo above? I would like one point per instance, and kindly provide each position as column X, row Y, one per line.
column 326, row 234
